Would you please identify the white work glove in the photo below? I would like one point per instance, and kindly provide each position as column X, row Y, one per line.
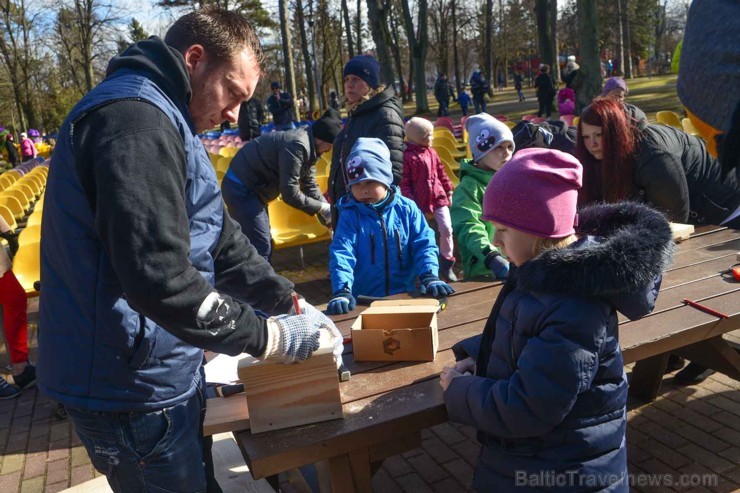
column 324, row 214
column 325, row 323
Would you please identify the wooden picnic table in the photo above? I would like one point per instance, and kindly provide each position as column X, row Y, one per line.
column 386, row 405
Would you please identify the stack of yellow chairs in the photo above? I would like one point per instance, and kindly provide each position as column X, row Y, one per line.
column 669, row 118
column 291, row 227
column 27, row 267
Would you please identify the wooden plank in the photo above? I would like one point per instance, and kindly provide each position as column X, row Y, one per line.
column 226, row 414
column 340, row 472
column 702, row 240
column 368, row 422
column 698, row 271
column 359, row 461
column 694, row 255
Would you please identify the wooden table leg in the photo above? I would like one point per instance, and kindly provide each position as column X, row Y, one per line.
column 714, row 353
column 646, row 377
column 351, row 472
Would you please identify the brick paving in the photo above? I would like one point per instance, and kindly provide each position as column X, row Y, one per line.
column 690, row 433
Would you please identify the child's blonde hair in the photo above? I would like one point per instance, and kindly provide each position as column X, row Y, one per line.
column 542, row 245
column 417, row 129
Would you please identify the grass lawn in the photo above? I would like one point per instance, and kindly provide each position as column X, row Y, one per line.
column 649, row 94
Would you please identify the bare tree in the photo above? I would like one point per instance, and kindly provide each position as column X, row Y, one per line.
column 287, row 46
column 418, row 48
column 310, row 86
column 348, row 28
column 590, row 72
column 378, row 11
column 488, row 41
column 545, row 32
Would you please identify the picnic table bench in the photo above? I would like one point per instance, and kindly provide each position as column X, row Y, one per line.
column 386, row 404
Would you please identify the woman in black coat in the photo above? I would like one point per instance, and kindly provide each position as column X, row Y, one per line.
column 657, row 164
column 374, row 111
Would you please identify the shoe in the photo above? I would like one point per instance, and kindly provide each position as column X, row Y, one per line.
column 691, row 375
column 7, row 391
column 60, row 412
column 675, row 363
column 27, row 378
column 445, row 269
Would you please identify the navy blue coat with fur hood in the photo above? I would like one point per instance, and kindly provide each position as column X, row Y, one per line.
column 550, row 390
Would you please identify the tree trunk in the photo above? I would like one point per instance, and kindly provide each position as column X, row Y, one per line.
column 418, row 44
column 455, row 55
column 488, row 56
column 554, row 64
column 348, row 29
column 589, row 77
column 628, row 43
column 620, row 37
column 396, row 49
column 358, row 27
column 378, row 15
column 287, row 47
column 310, row 79
column 545, row 33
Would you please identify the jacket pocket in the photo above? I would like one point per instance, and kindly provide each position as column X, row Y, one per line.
column 143, row 344
column 705, row 211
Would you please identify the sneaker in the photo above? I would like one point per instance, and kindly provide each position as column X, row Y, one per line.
column 27, row 378
column 675, row 363
column 7, row 391
column 60, row 412
column 691, row 375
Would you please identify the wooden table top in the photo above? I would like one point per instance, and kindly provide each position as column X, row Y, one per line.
column 384, row 399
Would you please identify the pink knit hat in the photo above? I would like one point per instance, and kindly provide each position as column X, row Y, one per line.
column 536, row 192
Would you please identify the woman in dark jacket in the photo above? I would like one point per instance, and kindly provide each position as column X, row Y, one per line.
column 545, row 91
column 374, row 111
column 659, row 164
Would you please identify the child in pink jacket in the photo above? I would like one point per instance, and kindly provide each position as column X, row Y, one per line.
column 426, row 183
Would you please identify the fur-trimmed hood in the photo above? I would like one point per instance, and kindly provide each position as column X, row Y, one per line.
column 622, row 252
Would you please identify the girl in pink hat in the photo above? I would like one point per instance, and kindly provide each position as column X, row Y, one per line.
column 545, row 384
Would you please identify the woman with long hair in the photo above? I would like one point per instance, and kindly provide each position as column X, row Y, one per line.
column 657, row 164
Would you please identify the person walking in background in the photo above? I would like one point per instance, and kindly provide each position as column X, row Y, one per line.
column 518, row 81
column 463, row 99
column 442, row 93
column 334, row 100
column 500, row 81
column 28, row 148
column 280, row 104
column 545, row 91
column 373, row 110
column 251, row 116
column 479, row 87
column 426, row 183
column 10, row 148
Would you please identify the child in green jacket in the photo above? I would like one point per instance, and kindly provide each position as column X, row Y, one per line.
column 492, row 145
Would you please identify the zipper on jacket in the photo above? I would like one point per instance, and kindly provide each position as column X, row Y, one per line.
column 385, row 252
column 398, row 249
column 372, row 248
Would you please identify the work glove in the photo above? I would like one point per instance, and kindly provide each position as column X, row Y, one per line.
column 299, row 337
column 324, row 322
column 497, row 264
column 341, row 302
column 324, row 214
column 432, row 285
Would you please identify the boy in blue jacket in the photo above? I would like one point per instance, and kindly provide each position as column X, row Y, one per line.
column 382, row 241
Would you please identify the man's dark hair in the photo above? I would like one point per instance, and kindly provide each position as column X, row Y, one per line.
column 220, row 32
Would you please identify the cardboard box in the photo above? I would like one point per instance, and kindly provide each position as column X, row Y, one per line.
column 397, row 330
column 281, row 396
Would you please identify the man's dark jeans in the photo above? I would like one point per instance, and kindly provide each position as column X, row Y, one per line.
column 157, row 451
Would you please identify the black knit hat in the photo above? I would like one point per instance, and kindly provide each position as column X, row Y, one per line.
column 366, row 67
column 328, row 126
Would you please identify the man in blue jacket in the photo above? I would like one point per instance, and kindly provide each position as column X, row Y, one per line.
column 142, row 266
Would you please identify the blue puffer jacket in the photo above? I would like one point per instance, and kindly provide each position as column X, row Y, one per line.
column 379, row 253
column 550, row 391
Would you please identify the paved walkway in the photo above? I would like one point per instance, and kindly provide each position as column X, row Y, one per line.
column 689, row 434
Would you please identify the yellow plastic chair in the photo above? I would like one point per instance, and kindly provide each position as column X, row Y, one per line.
column 454, row 143
column 323, row 165
column 27, row 191
column 438, row 131
column 14, row 205
column 323, row 182
column 37, row 180
column 214, row 159
column 291, row 227
column 30, row 234
column 576, row 120
column 34, row 219
column 27, row 267
column 689, row 127
column 6, row 181
column 510, row 124
column 8, row 216
column 13, row 173
column 19, row 196
column 446, row 155
column 443, row 144
column 668, row 118
column 451, row 174
column 223, row 164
